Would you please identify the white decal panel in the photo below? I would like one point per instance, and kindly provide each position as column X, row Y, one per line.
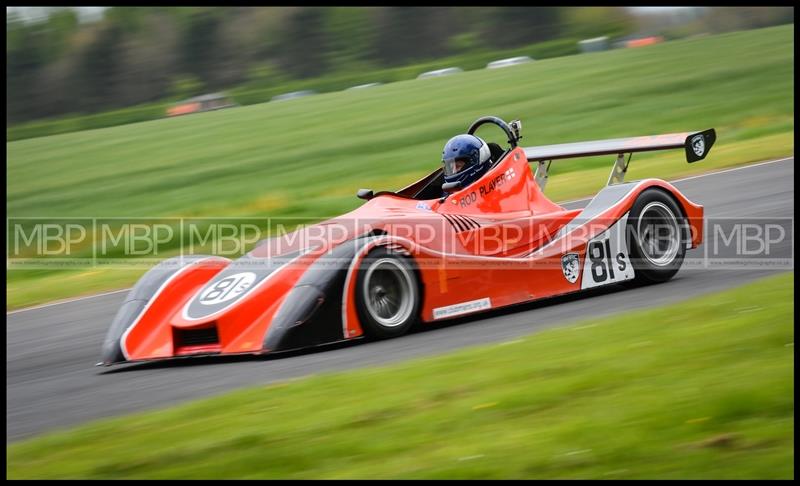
column 606, row 260
column 227, row 288
column 462, row 308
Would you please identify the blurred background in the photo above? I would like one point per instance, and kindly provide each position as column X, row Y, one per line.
column 69, row 61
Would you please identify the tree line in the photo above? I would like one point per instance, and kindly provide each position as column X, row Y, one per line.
column 133, row 55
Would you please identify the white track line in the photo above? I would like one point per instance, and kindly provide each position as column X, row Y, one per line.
column 67, row 301
column 750, row 166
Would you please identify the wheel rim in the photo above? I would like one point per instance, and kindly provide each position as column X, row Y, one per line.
column 389, row 292
column 659, row 234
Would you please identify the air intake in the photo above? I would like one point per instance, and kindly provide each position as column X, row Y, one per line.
column 461, row 223
column 184, row 338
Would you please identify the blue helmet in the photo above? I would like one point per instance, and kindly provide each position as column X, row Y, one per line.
column 466, row 158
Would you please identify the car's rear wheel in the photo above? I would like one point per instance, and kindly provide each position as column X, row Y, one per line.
column 387, row 294
column 656, row 237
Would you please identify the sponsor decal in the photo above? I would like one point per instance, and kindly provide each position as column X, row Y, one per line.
column 571, row 266
column 698, row 145
column 423, row 206
column 496, row 181
column 227, row 288
column 462, row 308
column 487, row 188
column 468, row 199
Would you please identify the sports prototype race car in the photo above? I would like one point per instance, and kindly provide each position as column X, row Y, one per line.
column 437, row 249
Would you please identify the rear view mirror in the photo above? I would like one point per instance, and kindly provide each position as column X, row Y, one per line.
column 365, row 194
column 451, row 187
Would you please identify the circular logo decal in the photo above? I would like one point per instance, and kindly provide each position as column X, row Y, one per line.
column 698, row 145
column 570, row 265
column 227, row 288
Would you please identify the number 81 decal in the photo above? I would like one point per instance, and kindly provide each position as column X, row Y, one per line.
column 227, row 288
column 599, row 255
column 607, row 259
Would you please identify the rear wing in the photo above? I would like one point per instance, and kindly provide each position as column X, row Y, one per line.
column 696, row 146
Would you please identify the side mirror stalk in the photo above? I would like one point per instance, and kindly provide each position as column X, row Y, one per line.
column 451, row 187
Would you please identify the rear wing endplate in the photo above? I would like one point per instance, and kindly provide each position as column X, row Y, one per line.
column 696, row 146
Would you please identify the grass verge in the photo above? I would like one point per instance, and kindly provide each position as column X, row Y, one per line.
column 699, row 389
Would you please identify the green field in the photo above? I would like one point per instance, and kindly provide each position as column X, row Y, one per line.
column 700, row 389
column 305, row 158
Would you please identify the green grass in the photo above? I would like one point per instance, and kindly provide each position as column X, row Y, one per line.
column 700, row 389
column 249, row 94
column 305, row 158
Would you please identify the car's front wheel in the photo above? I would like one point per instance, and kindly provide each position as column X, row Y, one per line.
column 387, row 294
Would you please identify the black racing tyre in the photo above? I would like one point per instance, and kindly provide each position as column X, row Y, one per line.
column 657, row 237
column 388, row 294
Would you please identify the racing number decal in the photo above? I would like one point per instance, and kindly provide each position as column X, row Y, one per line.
column 595, row 251
column 602, row 266
column 607, row 259
column 227, row 288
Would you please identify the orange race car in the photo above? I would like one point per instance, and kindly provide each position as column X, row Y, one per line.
column 476, row 234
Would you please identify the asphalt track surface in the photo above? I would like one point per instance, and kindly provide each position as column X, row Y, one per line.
column 51, row 380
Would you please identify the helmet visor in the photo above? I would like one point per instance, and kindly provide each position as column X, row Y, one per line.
column 455, row 165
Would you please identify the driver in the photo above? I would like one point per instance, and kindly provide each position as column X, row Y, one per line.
column 466, row 158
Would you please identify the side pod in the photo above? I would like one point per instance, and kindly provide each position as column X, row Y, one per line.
column 311, row 314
